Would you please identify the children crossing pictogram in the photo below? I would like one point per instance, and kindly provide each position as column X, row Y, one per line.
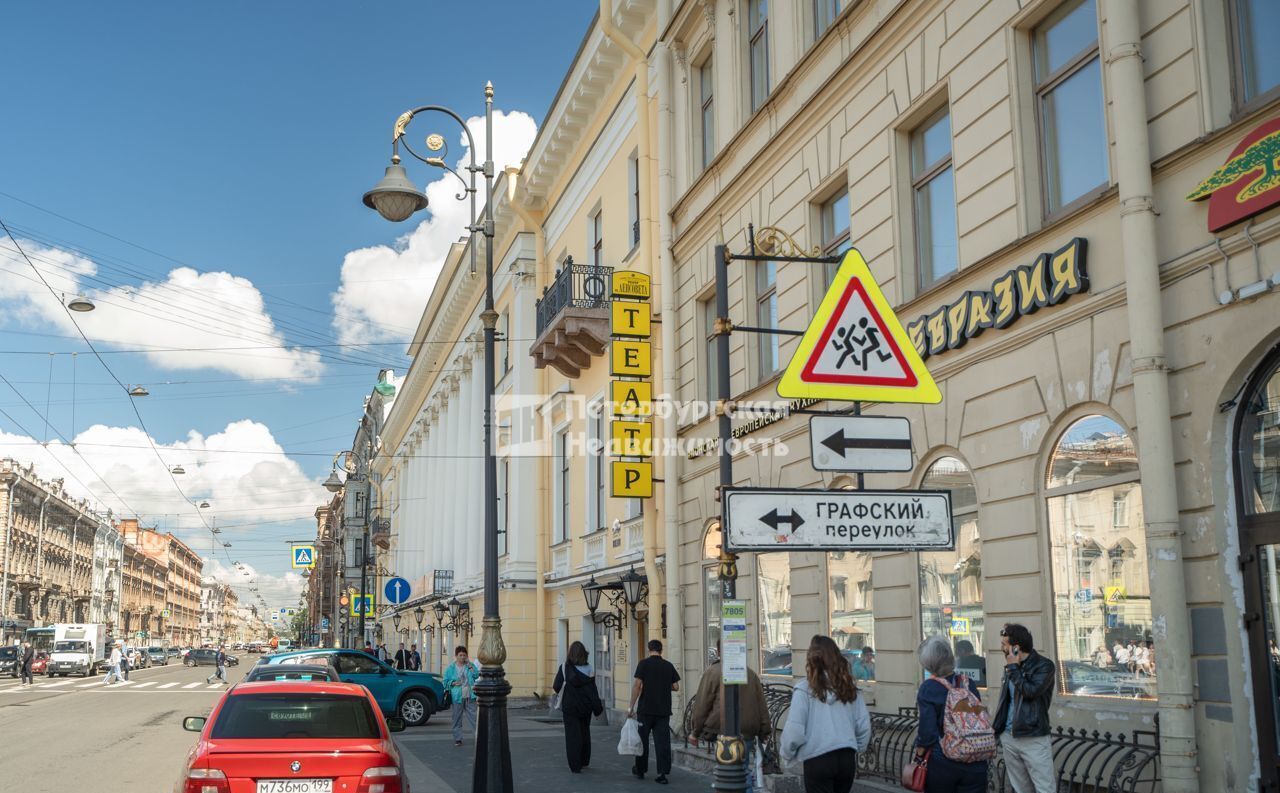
column 855, row 349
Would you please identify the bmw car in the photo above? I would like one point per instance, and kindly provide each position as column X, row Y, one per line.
column 412, row 696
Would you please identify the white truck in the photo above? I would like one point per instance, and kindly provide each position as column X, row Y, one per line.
column 78, row 649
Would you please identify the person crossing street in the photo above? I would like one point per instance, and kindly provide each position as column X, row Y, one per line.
column 220, row 666
column 114, row 666
column 460, row 680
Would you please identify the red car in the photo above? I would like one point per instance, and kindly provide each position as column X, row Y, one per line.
column 294, row 737
column 40, row 664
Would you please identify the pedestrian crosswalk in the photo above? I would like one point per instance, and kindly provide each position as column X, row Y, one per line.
column 67, row 685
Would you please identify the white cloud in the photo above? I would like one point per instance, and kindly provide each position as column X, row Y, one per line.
column 252, row 485
column 280, row 591
column 385, row 288
column 189, row 310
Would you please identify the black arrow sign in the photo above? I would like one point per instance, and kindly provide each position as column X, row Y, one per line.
column 839, row 444
column 773, row 519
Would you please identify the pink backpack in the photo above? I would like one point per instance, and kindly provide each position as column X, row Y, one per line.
column 967, row 736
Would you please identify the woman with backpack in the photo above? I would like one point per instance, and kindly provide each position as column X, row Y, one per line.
column 578, row 700
column 828, row 723
column 956, row 739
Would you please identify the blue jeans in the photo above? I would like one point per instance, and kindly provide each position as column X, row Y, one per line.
column 113, row 672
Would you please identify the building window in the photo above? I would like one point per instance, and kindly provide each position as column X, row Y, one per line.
column 562, row 486
column 1101, row 595
column 824, row 14
column 1256, row 60
column 596, row 238
column 600, row 466
column 767, row 317
column 711, row 592
column 633, row 205
column 1073, row 129
column 850, row 615
column 758, row 50
column 711, row 361
column 951, row 581
column 773, row 576
column 706, row 104
column 504, row 336
column 834, row 215
column 934, row 199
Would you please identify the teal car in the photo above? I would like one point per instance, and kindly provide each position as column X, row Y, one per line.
column 413, row 696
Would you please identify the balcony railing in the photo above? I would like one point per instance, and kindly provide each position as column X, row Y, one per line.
column 576, row 286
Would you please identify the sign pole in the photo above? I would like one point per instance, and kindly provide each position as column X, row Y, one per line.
column 730, row 771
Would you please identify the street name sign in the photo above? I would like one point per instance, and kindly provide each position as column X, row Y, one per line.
column 855, row 348
column 396, row 590
column 765, row 519
column 860, row 443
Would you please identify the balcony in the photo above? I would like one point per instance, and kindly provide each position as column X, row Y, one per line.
column 573, row 318
column 380, row 533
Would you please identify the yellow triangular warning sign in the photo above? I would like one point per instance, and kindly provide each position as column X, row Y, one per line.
column 855, row 348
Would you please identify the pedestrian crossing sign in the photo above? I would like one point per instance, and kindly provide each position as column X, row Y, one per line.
column 304, row 556
column 855, row 349
column 362, row 603
column 1114, row 594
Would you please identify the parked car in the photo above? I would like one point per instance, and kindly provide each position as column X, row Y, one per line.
column 300, row 737
column 40, row 664
column 9, row 661
column 315, row 672
column 138, row 658
column 207, row 656
column 413, row 696
column 157, row 656
column 1083, row 679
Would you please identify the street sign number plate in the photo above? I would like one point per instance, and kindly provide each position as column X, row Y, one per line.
column 295, row 786
column 763, row 519
column 860, row 443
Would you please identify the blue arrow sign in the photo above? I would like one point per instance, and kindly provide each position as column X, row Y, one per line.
column 396, row 591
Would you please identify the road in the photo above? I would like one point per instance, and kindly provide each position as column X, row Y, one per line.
column 73, row 732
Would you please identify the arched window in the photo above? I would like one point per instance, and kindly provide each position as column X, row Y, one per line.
column 773, row 605
column 951, row 581
column 711, row 596
column 850, row 616
column 1101, row 593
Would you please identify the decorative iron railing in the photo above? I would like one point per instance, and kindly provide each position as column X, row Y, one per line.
column 575, row 286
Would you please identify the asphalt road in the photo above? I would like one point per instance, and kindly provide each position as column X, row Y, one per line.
column 74, row 733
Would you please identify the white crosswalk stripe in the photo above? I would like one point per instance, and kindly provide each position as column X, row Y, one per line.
column 55, row 684
column 214, row 685
column 89, row 685
column 144, row 685
column 192, row 685
column 168, row 685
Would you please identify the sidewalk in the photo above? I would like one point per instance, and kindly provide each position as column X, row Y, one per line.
column 434, row 764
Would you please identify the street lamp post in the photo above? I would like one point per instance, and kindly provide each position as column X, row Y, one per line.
column 396, row 199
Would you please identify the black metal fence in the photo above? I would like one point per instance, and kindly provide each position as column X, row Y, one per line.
column 575, row 286
column 1085, row 761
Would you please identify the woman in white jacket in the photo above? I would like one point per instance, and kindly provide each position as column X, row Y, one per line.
column 828, row 723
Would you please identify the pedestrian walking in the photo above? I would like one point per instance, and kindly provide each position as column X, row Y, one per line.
column 415, row 658
column 943, row 773
column 28, row 658
column 865, row 667
column 402, row 658
column 655, row 679
column 219, row 666
column 579, row 699
column 382, row 654
column 753, row 713
column 116, row 658
column 124, row 660
column 828, row 723
column 460, row 678
column 1022, row 720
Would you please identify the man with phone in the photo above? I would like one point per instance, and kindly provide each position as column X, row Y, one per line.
column 1022, row 719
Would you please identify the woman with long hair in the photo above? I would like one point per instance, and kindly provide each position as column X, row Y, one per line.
column 828, row 723
column 575, row 684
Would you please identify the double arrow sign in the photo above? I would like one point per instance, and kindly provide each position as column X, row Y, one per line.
column 860, row 443
column 774, row 520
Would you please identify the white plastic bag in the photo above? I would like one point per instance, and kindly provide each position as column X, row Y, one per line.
column 629, row 742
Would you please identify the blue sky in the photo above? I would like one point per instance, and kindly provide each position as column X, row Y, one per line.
column 234, row 139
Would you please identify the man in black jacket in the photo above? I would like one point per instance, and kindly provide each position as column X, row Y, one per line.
column 1022, row 720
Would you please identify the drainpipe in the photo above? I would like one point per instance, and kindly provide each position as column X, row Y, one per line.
column 644, row 155
column 1170, row 627
column 667, row 330
column 40, row 555
column 533, row 223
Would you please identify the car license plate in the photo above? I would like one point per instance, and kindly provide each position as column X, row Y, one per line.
column 295, row 786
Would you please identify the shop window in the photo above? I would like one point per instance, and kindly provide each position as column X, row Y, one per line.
column 758, row 51
column 850, row 616
column 773, row 606
column 711, row 592
column 1101, row 593
column 933, row 191
column 1073, row 129
column 951, row 581
column 1256, row 60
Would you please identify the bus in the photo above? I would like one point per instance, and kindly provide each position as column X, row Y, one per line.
column 283, row 645
column 41, row 638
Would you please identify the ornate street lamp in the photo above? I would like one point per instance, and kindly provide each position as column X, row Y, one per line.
column 333, row 484
column 633, row 586
column 418, row 614
column 81, row 304
column 591, row 592
column 395, row 620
